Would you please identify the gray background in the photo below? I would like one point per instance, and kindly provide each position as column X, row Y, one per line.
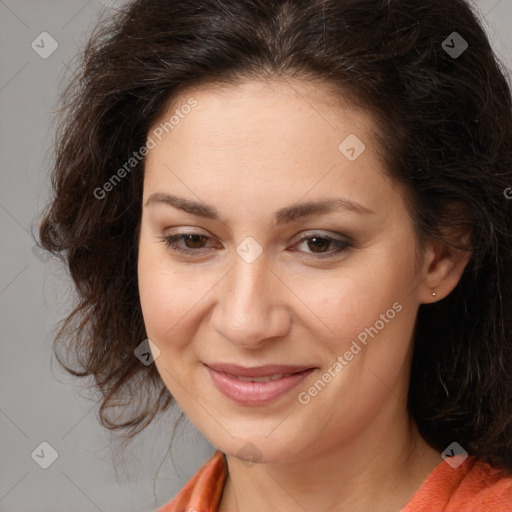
column 39, row 402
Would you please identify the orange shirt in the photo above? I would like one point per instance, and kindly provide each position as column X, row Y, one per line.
column 474, row 486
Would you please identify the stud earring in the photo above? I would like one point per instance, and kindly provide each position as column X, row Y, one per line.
column 433, row 294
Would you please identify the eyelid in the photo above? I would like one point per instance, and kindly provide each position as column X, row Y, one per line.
column 300, row 236
column 324, row 234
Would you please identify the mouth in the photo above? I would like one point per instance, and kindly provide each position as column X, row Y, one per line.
column 258, row 385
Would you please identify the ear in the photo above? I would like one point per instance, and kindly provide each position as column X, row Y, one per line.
column 443, row 266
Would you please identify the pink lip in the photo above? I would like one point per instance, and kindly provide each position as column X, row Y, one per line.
column 225, row 378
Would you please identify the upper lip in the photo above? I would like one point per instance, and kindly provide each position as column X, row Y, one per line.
column 257, row 371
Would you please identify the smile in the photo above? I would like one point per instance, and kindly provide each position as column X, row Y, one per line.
column 256, row 386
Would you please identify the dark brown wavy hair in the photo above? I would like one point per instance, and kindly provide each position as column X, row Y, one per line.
column 444, row 129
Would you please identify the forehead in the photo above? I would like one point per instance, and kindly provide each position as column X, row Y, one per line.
column 255, row 108
column 259, row 139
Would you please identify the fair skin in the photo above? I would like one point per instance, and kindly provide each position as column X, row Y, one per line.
column 248, row 150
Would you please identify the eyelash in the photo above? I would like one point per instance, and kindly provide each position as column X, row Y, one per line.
column 342, row 245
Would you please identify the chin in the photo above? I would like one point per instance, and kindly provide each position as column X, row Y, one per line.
column 260, row 449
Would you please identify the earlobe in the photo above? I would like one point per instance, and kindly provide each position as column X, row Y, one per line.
column 444, row 266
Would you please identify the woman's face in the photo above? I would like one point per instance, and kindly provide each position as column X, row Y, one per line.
column 328, row 294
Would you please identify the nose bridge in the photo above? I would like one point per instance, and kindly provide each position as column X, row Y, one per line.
column 247, row 298
column 248, row 310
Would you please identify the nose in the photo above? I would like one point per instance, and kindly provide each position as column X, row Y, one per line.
column 251, row 308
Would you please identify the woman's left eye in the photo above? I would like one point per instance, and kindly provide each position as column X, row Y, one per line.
column 315, row 242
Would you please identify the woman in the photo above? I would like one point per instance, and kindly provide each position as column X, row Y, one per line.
column 299, row 212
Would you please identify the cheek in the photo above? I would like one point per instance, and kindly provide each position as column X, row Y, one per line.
column 164, row 294
column 370, row 304
column 348, row 303
column 175, row 298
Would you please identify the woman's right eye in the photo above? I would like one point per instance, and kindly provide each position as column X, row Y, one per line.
column 193, row 242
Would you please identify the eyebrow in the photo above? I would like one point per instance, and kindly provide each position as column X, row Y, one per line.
column 282, row 216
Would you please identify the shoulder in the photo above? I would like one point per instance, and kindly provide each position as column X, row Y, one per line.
column 203, row 491
column 484, row 488
column 473, row 486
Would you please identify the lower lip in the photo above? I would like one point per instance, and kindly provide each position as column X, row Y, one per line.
column 255, row 393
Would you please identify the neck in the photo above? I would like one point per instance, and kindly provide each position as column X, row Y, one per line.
column 366, row 472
